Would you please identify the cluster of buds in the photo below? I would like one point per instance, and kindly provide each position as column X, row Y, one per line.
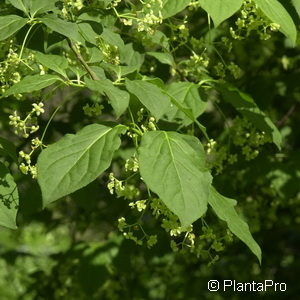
column 150, row 125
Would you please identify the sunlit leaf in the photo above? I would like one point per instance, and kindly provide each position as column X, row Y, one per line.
column 149, row 95
column 76, row 160
column 32, row 83
column 119, row 99
column 220, row 10
column 173, row 166
column 9, row 25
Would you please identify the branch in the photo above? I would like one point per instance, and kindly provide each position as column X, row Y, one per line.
column 281, row 122
column 82, row 61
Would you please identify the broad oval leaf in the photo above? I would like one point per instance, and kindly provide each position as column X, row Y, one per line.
column 119, row 99
column 173, row 166
column 56, row 63
column 9, row 198
column 164, row 58
column 276, row 12
column 63, row 27
column 19, row 4
column 172, row 7
column 112, row 38
column 32, row 83
column 10, row 24
column 130, row 57
column 149, row 95
column 224, row 209
column 187, row 95
column 220, row 10
column 76, row 160
column 37, row 7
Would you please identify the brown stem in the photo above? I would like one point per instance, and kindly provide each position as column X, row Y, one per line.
column 82, row 61
column 281, row 122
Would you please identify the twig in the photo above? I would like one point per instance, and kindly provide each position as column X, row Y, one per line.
column 82, row 61
column 281, row 122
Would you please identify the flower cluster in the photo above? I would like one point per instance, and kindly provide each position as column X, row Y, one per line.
column 29, row 124
column 252, row 19
column 26, row 167
column 126, row 229
column 132, row 164
column 195, row 68
column 185, row 238
column 93, row 110
column 246, row 136
column 110, row 52
column 246, row 139
column 10, row 72
column 71, row 7
column 147, row 19
column 121, row 188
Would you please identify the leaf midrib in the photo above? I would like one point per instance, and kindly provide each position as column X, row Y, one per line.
column 83, row 153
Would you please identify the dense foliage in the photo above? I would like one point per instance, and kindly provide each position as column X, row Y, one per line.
column 145, row 144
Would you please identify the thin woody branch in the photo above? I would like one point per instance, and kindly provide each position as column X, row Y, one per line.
column 82, row 61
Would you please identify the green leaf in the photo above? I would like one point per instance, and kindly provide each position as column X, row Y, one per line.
column 9, row 198
column 187, row 95
column 63, row 27
column 87, row 32
column 171, row 7
column 296, row 4
column 99, row 72
column 10, row 25
column 119, row 99
column 8, row 148
column 244, row 104
column 112, row 38
column 32, row 83
column 158, row 38
column 276, row 12
column 220, row 10
column 76, row 160
column 120, row 71
column 173, row 166
column 164, row 58
column 37, row 7
column 19, row 4
column 224, row 209
column 56, row 63
column 149, row 95
column 130, row 57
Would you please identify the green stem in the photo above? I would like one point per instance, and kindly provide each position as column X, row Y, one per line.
column 49, row 121
column 24, row 41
